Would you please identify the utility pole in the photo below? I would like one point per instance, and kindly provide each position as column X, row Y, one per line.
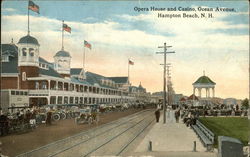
column 164, row 78
column 168, row 83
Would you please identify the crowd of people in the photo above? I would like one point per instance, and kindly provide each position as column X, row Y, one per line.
column 190, row 114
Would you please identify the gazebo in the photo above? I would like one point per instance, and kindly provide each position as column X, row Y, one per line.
column 206, row 83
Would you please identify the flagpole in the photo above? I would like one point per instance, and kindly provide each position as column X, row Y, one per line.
column 62, row 35
column 28, row 19
column 84, row 58
column 128, row 71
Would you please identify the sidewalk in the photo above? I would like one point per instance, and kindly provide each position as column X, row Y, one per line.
column 171, row 138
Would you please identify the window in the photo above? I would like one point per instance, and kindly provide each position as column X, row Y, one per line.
column 25, row 93
column 44, row 85
column 17, row 92
column 37, row 85
column 24, row 76
column 31, row 51
column 5, row 58
column 44, row 66
column 21, row 92
column 24, row 52
column 13, row 92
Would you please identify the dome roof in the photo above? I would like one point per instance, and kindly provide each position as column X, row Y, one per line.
column 28, row 40
column 204, row 80
column 62, row 53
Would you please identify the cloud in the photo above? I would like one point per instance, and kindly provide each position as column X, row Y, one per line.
column 8, row 10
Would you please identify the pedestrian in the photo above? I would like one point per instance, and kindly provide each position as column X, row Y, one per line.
column 177, row 115
column 157, row 115
column 49, row 116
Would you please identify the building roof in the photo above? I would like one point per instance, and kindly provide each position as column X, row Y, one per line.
column 204, row 80
column 192, row 97
column 94, row 79
column 11, row 66
column 10, row 49
column 41, row 60
column 28, row 40
column 62, row 53
column 75, row 71
column 75, row 80
column 119, row 79
column 182, row 99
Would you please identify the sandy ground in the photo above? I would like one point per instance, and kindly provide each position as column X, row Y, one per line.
column 13, row 145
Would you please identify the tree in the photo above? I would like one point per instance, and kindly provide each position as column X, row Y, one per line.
column 245, row 103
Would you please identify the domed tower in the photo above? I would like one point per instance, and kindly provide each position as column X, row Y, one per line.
column 28, row 61
column 62, row 63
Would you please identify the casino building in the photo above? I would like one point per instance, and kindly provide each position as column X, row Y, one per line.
column 27, row 79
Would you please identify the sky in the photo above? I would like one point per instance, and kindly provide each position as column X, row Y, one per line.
column 118, row 32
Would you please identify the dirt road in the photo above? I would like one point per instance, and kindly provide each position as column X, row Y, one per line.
column 13, row 145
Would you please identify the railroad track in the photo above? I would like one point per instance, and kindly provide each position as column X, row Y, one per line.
column 66, row 146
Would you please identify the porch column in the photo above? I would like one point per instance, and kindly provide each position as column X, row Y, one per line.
column 208, row 92
column 48, row 98
column 213, row 92
column 199, row 89
column 56, row 85
column 49, row 84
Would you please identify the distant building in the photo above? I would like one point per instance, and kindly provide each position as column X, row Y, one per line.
column 140, row 93
column 230, row 101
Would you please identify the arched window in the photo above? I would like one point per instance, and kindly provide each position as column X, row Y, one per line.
column 31, row 52
column 24, row 76
column 24, row 52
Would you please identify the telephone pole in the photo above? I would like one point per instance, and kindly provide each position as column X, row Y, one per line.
column 164, row 77
column 168, row 84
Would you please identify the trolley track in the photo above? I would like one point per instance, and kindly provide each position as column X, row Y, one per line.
column 64, row 145
column 118, row 144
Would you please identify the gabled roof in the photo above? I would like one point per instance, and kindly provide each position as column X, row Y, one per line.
column 204, row 80
column 119, row 79
column 11, row 66
column 11, row 49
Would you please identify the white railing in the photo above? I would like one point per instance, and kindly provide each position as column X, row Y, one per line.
column 47, row 92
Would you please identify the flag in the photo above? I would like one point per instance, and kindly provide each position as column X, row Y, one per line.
column 66, row 28
column 86, row 44
column 130, row 62
column 33, row 7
